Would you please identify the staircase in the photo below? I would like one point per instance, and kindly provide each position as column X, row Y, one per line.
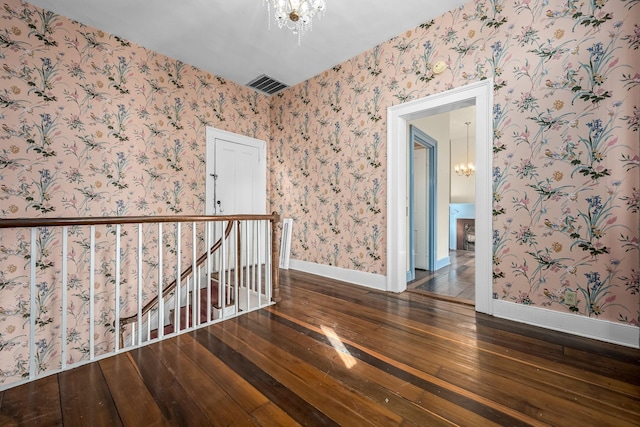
column 240, row 251
column 249, row 273
column 186, row 312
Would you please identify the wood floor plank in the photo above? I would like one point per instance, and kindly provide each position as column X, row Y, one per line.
column 86, row 399
column 243, row 393
column 32, row 404
column 270, row 414
column 442, row 354
column 536, row 347
column 334, row 354
column 610, row 360
column 408, row 400
column 210, row 397
column 464, row 399
column 546, row 404
column 377, row 302
column 311, row 384
column 133, row 400
column 173, row 401
column 234, row 352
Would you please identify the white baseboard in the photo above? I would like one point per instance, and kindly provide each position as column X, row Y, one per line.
column 603, row 330
column 370, row 280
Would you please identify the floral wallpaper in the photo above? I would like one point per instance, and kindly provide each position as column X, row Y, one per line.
column 93, row 125
column 566, row 160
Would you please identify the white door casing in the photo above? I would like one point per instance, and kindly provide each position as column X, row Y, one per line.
column 237, row 174
column 480, row 94
column 236, row 180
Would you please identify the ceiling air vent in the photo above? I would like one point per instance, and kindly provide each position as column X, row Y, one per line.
column 267, row 85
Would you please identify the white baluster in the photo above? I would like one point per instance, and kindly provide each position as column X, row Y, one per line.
column 259, row 263
column 32, row 306
column 63, row 334
column 195, row 274
column 236, row 273
column 268, row 264
column 117, row 290
column 208, row 297
column 222, row 266
column 160, row 297
column 149, row 315
column 92, row 291
column 140, row 278
column 177, row 300
column 245, row 264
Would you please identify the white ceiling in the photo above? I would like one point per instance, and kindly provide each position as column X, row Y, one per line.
column 231, row 39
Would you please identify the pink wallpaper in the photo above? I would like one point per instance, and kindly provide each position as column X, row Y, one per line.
column 566, row 152
column 93, row 125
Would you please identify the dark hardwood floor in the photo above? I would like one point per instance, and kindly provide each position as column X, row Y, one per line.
column 454, row 282
column 335, row 354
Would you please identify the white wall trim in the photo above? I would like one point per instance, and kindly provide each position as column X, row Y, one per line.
column 479, row 94
column 603, row 330
column 369, row 280
column 214, row 133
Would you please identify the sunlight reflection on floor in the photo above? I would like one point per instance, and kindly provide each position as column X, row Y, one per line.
column 348, row 360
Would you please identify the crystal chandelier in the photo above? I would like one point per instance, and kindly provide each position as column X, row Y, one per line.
column 297, row 15
column 466, row 169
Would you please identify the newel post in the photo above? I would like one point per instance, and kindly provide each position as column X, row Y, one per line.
column 275, row 256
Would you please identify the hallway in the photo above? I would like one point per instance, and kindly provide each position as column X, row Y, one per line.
column 455, row 282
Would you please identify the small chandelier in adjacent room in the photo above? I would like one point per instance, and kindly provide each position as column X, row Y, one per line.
column 297, row 15
column 466, row 169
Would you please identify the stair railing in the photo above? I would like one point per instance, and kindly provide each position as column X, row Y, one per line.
column 64, row 282
column 172, row 285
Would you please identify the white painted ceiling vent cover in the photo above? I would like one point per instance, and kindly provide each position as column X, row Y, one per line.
column 267, row 85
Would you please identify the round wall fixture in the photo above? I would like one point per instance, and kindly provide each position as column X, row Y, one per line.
column 439, row 67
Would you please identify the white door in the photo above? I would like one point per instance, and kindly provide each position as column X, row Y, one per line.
column 235, row 184
column 236, row 174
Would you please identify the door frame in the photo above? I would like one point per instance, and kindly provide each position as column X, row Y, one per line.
column 479, row 94
column 417, row 136
column 211, row 135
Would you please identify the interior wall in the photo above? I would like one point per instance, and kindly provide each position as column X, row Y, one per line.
column 564, row 148
column 93, row 125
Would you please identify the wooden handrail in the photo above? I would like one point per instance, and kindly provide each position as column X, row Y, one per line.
column 109, row 220
column 171, row 286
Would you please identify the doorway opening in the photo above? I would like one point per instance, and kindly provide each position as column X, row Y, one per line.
column 450, row 192
column 236, row 180
column 423, row 206
column 479, row 94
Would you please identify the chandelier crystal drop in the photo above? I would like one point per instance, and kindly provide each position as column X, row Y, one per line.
column 297, row 15
column 466, row 169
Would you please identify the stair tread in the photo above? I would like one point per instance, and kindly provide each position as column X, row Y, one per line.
column 186, row 312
